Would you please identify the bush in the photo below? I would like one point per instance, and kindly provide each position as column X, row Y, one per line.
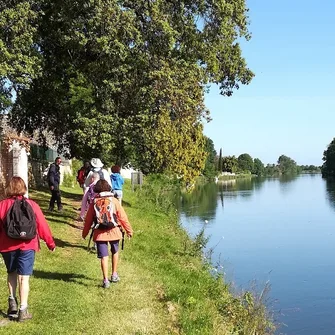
column 160, row 190
column 69, row 180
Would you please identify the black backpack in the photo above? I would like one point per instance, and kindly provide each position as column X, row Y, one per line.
column 20, row 221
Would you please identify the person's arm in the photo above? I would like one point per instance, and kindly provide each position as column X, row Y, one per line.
column 84, row 203
column 52, row 174
column 43, row 229
column 123, row 219
column 88, row 179
column 88, row 220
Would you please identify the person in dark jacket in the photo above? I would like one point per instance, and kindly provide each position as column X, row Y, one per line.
column 54, row 181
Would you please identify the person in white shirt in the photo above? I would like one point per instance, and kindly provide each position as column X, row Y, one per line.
column 97, row 166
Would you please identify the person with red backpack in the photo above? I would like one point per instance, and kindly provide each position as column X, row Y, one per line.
column 82, row 174
column 106, row 217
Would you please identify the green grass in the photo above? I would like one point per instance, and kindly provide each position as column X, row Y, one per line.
column 164, row 289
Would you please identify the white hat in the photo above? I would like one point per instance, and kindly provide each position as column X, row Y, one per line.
column 96, row 162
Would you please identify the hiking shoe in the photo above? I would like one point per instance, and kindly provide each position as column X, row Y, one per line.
column 115, row 279
column 12, row 306
column 24, row 315
column 106, row 284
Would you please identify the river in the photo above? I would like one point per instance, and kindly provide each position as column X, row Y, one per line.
column 279, row 231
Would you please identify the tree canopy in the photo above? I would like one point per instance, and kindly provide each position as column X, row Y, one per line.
column 258, row 167
column 328, row 167
column 245, row 162
column 122, row 80
column 229, row 164
column 210, row 169
column 287, row 165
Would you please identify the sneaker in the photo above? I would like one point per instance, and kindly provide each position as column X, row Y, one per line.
column 50, row 209
column 24, row 315
column 106, row 284
column 12, row 306
column 115, row 279
column 60, row 209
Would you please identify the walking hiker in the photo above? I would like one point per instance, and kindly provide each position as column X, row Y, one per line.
column 54, row 181
column 117, row 182
column 97, row 166
column 82, row 174
column 106, row 217
column 22, row 224
column 88, row 196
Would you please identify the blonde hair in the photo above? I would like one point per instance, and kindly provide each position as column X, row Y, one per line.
column 16, row 187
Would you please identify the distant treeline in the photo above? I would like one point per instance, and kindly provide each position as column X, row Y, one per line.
column 245, row 164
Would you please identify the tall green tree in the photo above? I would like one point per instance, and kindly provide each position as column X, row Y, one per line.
column 125, row 80
column 272, row 170
column 258, row 167
column 287, row 165
column 229, row 164
column 220, row 162
column 210, row 169
column 20, row 60
column 328, row 166
column 245, row 162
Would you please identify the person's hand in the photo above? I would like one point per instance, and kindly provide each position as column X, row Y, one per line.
column 129, row 236
column 51, row 188
column 53, row 249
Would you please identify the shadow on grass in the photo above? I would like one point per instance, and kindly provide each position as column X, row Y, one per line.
column 67, row 277
column 64, row 244
column 72, row 196
column 64, row 194
column 125, row 204
column 65, row 222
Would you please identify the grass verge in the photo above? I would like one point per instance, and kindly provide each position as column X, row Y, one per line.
column 165, row 287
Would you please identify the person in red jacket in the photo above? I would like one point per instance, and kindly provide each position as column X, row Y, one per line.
column 19, row 255
column 104, row 236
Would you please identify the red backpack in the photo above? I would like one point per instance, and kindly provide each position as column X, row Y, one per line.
column 81, row 176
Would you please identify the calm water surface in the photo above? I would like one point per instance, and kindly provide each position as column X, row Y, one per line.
column 276, row 230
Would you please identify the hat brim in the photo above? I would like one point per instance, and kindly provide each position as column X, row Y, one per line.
column 97, row 165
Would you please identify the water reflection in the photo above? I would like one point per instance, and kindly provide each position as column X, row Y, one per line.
column 277, row 229
column 243, row 187
column 205, row 199
column 201, row 202
column 330, row 188
column 286, row 183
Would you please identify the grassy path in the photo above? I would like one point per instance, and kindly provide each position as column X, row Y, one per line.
column 164, row 289
column 65, row 295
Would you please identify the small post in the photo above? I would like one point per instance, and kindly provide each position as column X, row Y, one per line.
column 136, row 179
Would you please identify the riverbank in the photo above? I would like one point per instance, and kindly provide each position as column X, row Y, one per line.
column 236, row 176
column 165, row 288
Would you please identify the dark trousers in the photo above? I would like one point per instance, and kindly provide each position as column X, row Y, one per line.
column 55, row 196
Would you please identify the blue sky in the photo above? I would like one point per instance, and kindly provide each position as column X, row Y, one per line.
column 289, row 108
